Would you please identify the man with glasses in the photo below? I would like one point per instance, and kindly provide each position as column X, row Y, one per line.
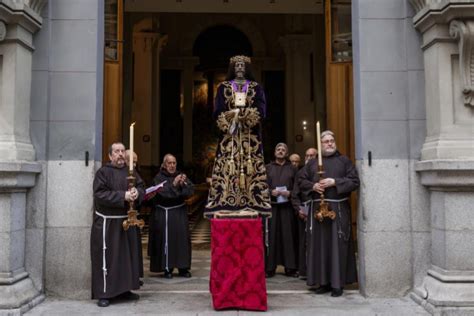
column 331, row 255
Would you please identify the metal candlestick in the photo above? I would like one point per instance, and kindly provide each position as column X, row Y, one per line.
column 324, row 210
column 132, row 219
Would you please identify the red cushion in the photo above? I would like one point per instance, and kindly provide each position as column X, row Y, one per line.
column 237, row 264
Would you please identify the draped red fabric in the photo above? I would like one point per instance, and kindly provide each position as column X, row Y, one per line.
column 237, row 264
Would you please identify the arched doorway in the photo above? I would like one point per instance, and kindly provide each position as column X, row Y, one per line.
column 214, row 47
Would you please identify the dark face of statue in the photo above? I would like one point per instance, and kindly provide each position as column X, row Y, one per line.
column 239, row 69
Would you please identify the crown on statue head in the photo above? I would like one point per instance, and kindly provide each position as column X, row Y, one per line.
column 240, row 58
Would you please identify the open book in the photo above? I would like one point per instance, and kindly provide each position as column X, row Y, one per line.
column 151, row 191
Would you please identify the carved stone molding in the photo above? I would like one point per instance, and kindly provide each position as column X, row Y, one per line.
column 418, row 5
column 463, row 31
column 3, row 31
column 36, row 5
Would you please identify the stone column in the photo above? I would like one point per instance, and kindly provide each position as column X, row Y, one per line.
column 187, row 86
column 447, row 158
column 298, row 104
column 18, row 23
column 156, row 108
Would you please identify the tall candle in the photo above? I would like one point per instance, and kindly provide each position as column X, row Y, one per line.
column 318, row 139
column 130, row 165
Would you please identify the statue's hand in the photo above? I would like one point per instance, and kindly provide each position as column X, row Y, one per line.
column 229, row 116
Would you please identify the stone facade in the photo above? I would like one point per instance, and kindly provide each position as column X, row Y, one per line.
column 18, row 170
column 447, row 157
column 414, row 113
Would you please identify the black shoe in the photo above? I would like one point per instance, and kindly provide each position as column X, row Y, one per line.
column 129, row 296
column 336, row 292
column 168, row 274
column 291, row 273
column 184, row 273
column 103, row 302
column 140, row 283
column 322, row 289
column 270, row 274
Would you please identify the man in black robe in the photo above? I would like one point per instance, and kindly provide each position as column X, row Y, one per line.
column 114, row 251
column 282, row 224
column 169, row 243
column 331, row 255
column 301, row 211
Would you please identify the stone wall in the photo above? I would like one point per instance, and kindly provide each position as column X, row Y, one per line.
column 66, row 123
column 393, row 224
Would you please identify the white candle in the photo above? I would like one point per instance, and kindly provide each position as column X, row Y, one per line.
column 130, row 165
column 318, row 139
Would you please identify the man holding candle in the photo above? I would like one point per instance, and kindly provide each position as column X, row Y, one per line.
column 114, row 251
column 330, row 249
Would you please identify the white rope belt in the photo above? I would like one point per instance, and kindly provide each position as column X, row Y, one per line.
column 167, row 208
column 104, row 246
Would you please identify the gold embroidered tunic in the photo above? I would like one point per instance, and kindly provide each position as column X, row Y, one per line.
column 239, row 178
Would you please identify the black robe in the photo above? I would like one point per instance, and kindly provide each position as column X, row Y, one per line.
column 179, row 241
column 121, row 247
column 331, row 255
column 296, row 201
column 282, row 224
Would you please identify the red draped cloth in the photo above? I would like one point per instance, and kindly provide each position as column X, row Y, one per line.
column 237, row 264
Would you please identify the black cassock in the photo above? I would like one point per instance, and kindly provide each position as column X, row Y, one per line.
column 330, row 248
column 169, row 244
column 296, row 201
column 282, row 224
column 114, row 251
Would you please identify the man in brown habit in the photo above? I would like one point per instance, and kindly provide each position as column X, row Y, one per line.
column 114, row 251
column 282, row 237
column 331, row 256
column 301, row 211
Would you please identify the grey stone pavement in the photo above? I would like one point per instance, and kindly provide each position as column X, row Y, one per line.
column 179, row 296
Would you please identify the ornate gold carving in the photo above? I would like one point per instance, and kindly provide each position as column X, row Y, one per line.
column 324, row 210
column 132, row 219
column 464, row 32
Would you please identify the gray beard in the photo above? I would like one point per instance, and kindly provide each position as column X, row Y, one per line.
column 329, row 152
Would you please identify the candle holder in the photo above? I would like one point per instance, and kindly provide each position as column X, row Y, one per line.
column 132, row 219
column 324, row 210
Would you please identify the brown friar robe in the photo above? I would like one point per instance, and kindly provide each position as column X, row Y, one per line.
column 282, row 225
column 297, row 203
column 169, row 243
column 114, row 251
column 331, row 255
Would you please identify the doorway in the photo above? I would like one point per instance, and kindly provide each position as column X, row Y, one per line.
column 170, row 58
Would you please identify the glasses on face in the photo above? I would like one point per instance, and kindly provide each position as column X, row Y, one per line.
column 329, row 141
